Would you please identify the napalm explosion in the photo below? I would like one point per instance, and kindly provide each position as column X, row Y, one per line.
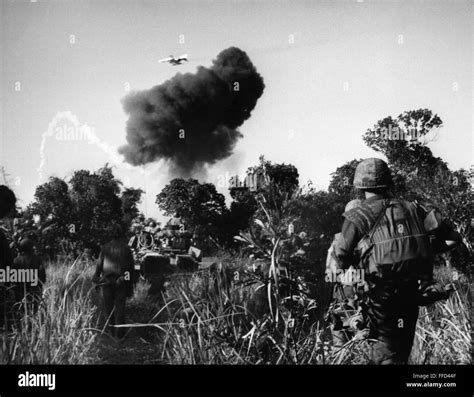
column 191, row 120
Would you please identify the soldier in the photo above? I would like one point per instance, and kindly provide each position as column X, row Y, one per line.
column 176, row 221
column 27, row 259
column 344, row 292
column 153, row 227
column 172, row 229
column 389, row 240
column 114, row 273
column 7, row 205
column 331, row 261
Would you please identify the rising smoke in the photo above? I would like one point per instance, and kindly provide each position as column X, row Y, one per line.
column 191, row 119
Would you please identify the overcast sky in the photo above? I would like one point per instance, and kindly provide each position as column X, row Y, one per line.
column 331, row 70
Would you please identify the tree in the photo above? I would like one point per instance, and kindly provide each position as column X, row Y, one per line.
column 97, row 204
column 405, row 134
column 52, row 201
column 130, row 197
column 319, row 215
column 56, row 214
column 198, row 204
column 242, row 208
column 81, row 214
column 341, row 184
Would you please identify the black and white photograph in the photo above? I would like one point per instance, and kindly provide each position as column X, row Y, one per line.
column 196, row 189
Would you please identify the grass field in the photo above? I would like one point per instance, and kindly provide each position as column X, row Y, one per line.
column 203, row 318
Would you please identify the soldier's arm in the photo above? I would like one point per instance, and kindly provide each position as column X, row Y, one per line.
column 345, row 244
column 450, row 236
column 446, row 237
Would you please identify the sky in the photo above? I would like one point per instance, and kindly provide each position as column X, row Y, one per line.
column 331, row 70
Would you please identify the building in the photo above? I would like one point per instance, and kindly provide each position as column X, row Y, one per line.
column 253, row 181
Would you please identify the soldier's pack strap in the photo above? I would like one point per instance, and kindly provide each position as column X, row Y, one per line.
column 380, row 216
column 362, row 217
column 366, row 244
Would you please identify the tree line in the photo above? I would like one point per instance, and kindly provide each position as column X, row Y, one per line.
column 77, row 214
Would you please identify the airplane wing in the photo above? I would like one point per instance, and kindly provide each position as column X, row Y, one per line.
column 166, row 59
column 183, row 57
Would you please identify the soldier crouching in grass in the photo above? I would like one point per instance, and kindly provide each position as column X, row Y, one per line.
column 390, row 240
column 114, row 276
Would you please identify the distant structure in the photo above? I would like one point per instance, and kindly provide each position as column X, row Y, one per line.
column 253, row 181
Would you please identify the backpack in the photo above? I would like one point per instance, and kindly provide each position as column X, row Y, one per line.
column 394, row 237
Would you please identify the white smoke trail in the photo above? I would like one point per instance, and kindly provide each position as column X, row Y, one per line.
column 86, row 133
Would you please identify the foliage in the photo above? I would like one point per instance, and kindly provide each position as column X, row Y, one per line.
column 56, row 212
column 64, row 329
column 407, row 134
column 278, row 182
column 341, row 184
column 196, row 203
column 200, row 206
column 319, row 215
column 130, row 197
column 80, row 214
column 443, row 332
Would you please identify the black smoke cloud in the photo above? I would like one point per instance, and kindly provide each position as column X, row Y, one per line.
column 205, row 105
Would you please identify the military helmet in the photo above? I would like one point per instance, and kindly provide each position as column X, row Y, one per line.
column 372, row 173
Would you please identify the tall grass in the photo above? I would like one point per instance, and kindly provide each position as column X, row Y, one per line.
column 209, row 318
column 443, row 333
column 64, row 328
column 213, row 327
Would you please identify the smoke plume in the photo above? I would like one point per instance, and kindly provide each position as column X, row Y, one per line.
column 191, row 119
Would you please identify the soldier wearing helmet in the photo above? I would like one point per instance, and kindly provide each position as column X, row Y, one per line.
column 390, row 240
